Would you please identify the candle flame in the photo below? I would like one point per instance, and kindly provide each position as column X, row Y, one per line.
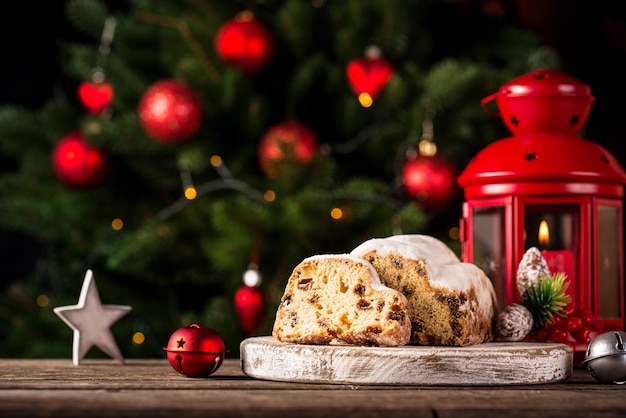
column 544, row 233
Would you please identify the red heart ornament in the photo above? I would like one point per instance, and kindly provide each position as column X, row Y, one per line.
column 95, row 96
column 369, row 75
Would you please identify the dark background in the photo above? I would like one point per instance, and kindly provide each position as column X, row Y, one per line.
column 590, row 36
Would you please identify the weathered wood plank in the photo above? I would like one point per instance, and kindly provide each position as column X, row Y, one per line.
column 483, row 364
column 151, row 388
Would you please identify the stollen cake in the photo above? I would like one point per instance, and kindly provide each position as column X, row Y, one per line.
column 340, row 299
column 450, row 302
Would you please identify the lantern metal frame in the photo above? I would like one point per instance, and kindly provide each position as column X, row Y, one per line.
column 546, row 167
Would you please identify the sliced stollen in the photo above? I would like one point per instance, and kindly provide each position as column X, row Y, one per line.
column 338, row 298
column 449, row 302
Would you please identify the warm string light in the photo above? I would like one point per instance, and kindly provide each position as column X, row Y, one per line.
column 336, row 213
column 117, row 224
column 215, row 160
column 191, row 193
column 189, row 190
column 426, row 146
column 139, row 338
column 43, row 301
column 269, row 195
column 366, row 100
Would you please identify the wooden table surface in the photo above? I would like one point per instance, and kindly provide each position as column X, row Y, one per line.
column 151, row 388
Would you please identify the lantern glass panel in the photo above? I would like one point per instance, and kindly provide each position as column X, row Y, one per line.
column 554, row 230
column 608, row 262
column 488, row 244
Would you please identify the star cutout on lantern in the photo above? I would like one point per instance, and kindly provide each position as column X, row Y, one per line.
column 91, row 322
column 181, row 343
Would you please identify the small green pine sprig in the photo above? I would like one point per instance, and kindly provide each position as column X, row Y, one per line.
column 546, row 299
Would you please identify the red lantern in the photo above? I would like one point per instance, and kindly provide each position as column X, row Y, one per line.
column 195, row 351
column 170, row 112
column 369, row 75
column 430, row 181
column 95, row 96
column 287, row 141
column 77, row 163
column 545, row 187
column 245, row 43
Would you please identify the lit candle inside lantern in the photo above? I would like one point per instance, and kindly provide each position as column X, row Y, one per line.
column 559, row 261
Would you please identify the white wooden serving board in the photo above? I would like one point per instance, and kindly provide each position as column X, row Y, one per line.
column 487, row 364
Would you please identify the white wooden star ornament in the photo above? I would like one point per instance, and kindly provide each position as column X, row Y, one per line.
column 91, row 322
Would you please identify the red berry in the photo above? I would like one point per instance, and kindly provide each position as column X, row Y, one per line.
column 574, row 323
column 541, row 335
column 570, row 310
column 582, row 335
column 587, row 316
column 558, row 334
column 555, row 322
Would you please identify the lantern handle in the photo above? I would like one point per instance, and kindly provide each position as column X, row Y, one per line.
column 487, row 100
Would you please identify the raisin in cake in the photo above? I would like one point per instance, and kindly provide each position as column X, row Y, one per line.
column 449, row 302
column 339, row 298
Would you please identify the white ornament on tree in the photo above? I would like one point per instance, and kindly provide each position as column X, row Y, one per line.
column 91, row 322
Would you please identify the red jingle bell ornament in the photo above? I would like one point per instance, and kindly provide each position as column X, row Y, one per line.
column 430, row 181
column 250, row 302
column 170, row 111
column 195, row 351
column 286, row 142
column 245, row 43
column 369, row 75
column 78, row 164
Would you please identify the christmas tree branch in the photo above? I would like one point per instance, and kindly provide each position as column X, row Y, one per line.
column 210, row 187
column 185, row 31
column 365, row 197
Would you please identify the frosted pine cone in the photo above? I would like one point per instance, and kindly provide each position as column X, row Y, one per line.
column 514, row 323
column 532, row 268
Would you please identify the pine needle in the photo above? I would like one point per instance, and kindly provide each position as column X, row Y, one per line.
column 547, row 299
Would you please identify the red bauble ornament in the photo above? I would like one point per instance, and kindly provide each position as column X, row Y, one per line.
column 249, row 307
column 286, row 141
column 169, row 111
column 430, row 181
column 369, row 75
column 245, row 43
column 77, row 163
column 195, row 351
column 95, row 96
column 250, row 301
